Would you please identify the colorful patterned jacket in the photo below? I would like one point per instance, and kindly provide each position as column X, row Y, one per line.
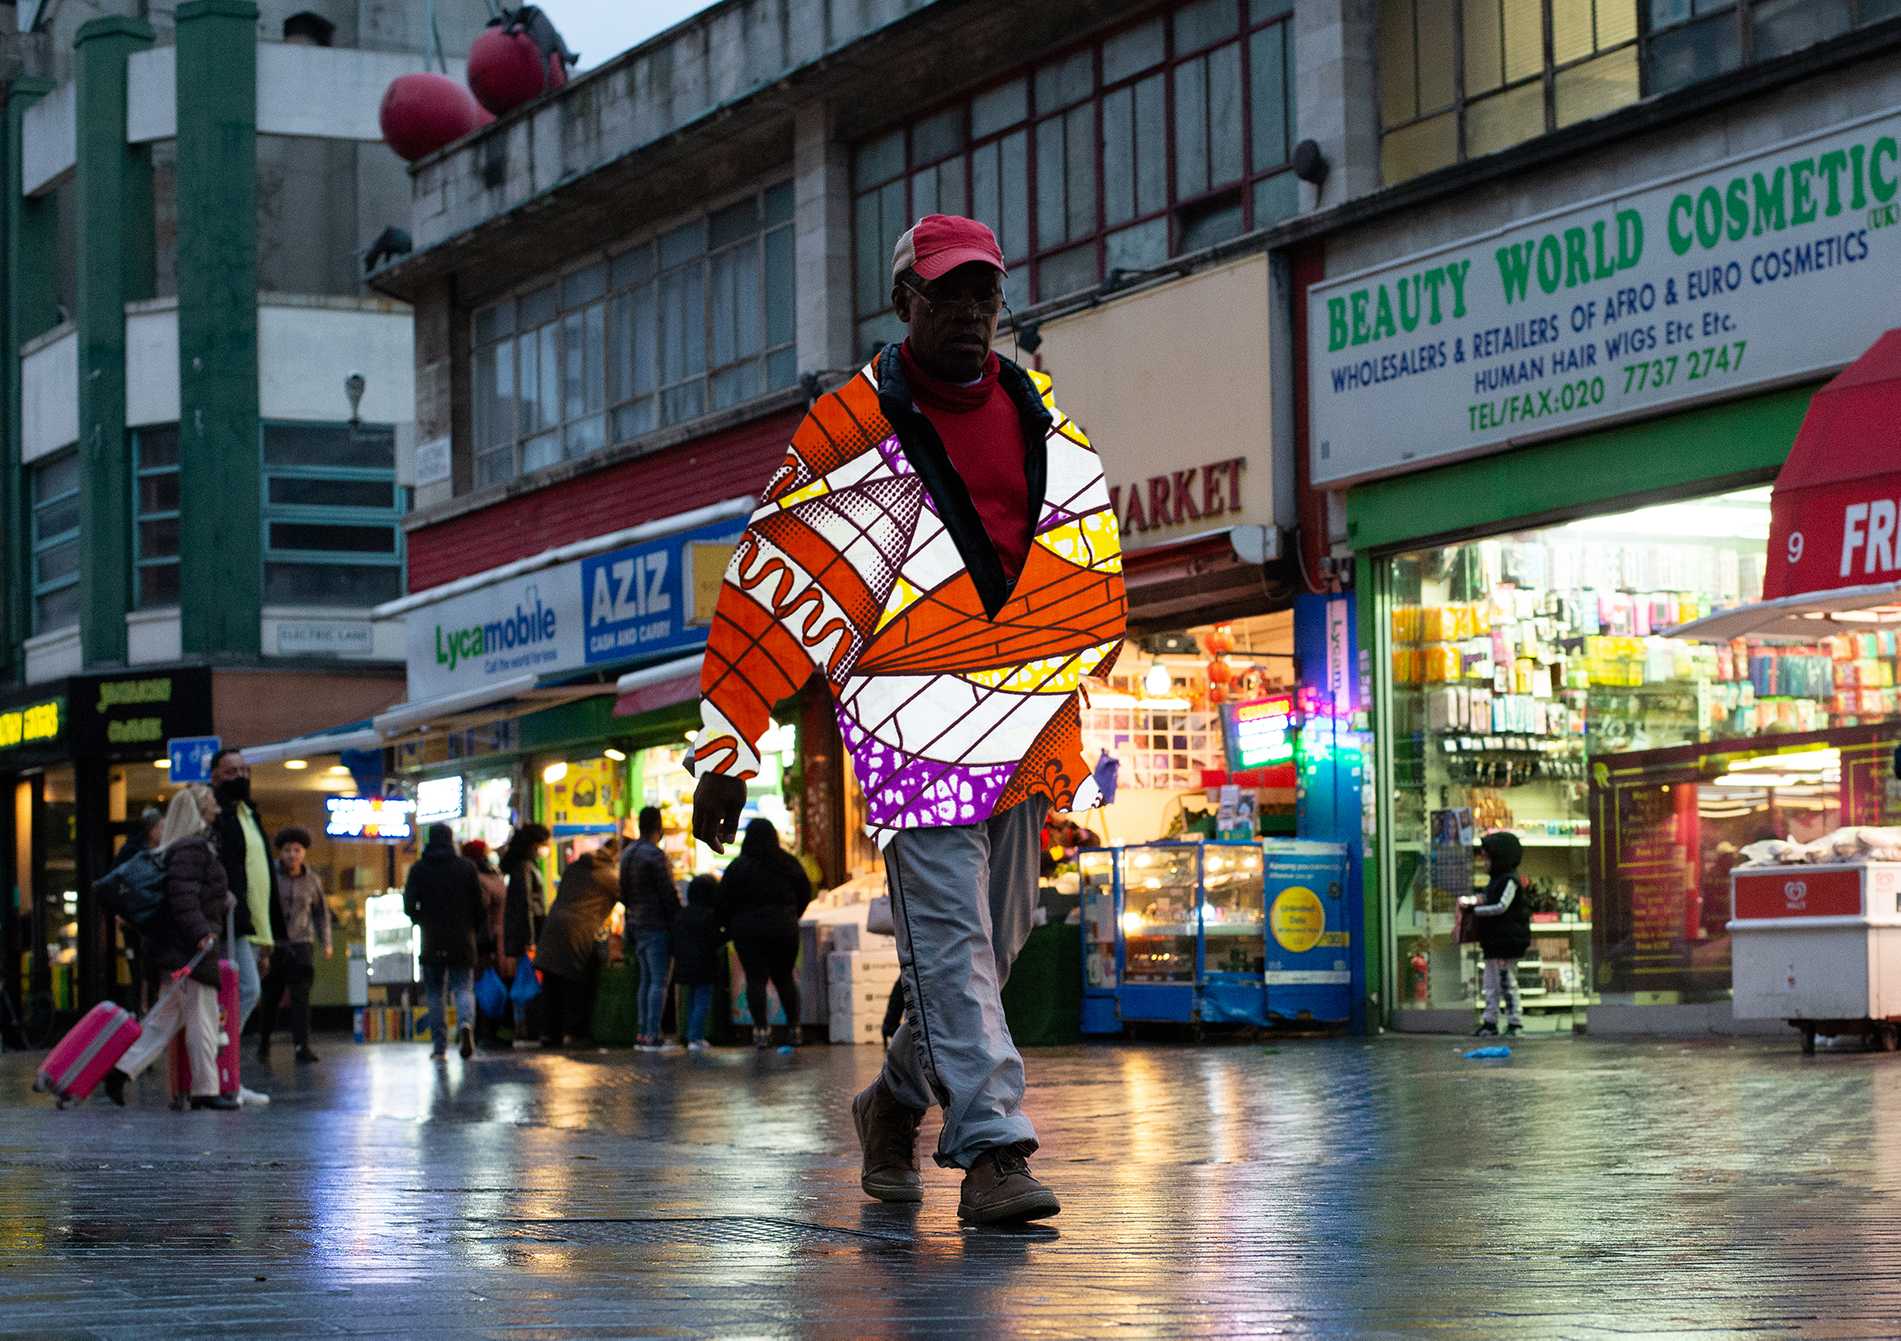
column 956, row 692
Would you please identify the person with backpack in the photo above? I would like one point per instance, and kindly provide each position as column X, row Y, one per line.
column 1503, row 916
column 293, row 967
column 698, row 938
column 197, row 898
column 443, row 896
column 652, row 902
column 761, row 899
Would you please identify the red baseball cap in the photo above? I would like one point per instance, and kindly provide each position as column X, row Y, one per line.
column 939, row 243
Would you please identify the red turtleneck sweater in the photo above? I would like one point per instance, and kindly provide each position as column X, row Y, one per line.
column 984, row 439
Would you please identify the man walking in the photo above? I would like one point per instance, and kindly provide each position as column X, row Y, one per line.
column 939, row 545
column 647, row 892
column 252, row 874
column 443, row 896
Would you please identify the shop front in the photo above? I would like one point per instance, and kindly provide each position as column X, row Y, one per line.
column 1555, row 443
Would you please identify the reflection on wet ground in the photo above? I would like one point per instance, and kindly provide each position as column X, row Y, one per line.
column 1585, row 1187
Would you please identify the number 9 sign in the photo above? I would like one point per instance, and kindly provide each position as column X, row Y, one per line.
column 1795, row 547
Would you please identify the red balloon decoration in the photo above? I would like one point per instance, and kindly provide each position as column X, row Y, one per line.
column 1220, row 672
column 423, row 112
column 1219, row 641
column 507, row 69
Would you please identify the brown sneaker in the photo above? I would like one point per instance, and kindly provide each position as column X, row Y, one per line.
column 887, row 1133
column 999, row 1188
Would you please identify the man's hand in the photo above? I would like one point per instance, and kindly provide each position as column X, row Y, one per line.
column 717, row 801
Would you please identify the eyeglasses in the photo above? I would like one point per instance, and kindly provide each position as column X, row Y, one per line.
column 984, row 308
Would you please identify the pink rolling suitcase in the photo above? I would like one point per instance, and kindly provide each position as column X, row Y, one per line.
column 180, row 1064
column 76, row 1065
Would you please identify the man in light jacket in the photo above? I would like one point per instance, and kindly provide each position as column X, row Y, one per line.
column 939, row 546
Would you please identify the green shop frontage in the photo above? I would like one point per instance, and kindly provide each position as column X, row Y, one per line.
column 1548, row 467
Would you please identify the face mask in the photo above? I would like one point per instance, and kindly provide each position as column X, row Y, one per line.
column 233, row 790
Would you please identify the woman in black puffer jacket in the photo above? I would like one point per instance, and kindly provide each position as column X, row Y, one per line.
column 762, row 896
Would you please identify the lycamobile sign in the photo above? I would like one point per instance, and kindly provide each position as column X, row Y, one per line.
column 1766, row 268
column 525, row 628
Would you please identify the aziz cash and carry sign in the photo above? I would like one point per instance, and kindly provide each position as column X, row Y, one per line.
column 620, row 605
column 1769, row 267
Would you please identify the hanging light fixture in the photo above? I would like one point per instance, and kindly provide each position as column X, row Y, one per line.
column 1158, row 681
column 554, row 772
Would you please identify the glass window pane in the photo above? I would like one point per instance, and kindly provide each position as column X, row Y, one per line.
column 878, row 160
column 730, row 386
column 683, row 402
column 62, row 560
column 1204, row 22
column 1399, row 93
column 584, row 436
column 924, row 193
column 1419, row 148
column 749, row 309
column 1224, row 114
column 1118, row 157
column 1151, row 144
column 55, row 519
column 158, row 493
column 1484, row 47
column 729, row 225
column 295, row 492
column 1210, row 222
column 1063, row 82
column 1139, row 248
column 1132, row 52
column 871, row 264
column 1597, row 87
column 878, row 332
column 158, row 585
column 1015, row 216
column 1052, row 215
column 1000, row 107
column 782, row 369
column 620, row 347
column 537, row 307
column 548, row 399
column 646, row 325
column 540, row 452
column 682, row 244
column 721, row 304
column 1263, row 10
column 1079, row 153
column 528, row 353
column 893, row 220
column 1617, row 22
column 1276, row 198
column 573, row 367
column 319, row 536
column 1874, row 11
column 633, row 267
column 1664, row 13
column 1067, row 272
column 1267, row 95
column 781, row 293
column 1692, row 53
column 495, row 321
column 937, row 136
column 1782, row 27
column 1524, row 38
column 365, row 447
column 1573, row 35
column 1436, row 54
column 55, row 476
column 494, row 373
column 331, row 583
column 1504, row 119
column 494, row 467
column 779, row 202
column 158, row 539
column 584, row 286
column 1191, row 129
column 158, row 447
column 950, row 186
column 56, row 610
column 630, row 421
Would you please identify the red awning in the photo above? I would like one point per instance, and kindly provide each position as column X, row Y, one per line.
column 1836, row 513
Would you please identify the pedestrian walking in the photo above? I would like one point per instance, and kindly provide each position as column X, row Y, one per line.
column 489, row 943
column 306, row 921
column 652, row 902
column 197, row 898
column 525, row 909
column 444, row 897
column 698, row 937
column 252, row 875
column 589, row 889
column 762, row 896
column 982, row 580
column 1503, row 917
column 143, row 838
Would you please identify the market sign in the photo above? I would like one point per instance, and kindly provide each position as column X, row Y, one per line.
column 1773, row 266
column 132, row 716
column 377, row 819
column 1259, row 733
column 439, row 800
column 617, row 606
column 32, row 724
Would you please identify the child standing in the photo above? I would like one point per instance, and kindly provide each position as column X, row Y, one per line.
column 697, row 939
column 1503, row 914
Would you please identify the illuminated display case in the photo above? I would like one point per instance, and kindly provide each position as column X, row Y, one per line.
column 1173, row 932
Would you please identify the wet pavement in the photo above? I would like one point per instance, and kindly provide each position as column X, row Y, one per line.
column 1583, row 1188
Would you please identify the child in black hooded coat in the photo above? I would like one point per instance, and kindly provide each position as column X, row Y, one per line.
column 697, row 939
column 1503, row 914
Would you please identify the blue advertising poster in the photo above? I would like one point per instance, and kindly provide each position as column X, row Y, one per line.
column 1308, row 976
column 656, row 597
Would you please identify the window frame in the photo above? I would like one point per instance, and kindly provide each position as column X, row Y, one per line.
column 141, row 472
column 1026, row 263
column 621, row 408
column 329, row 514
column 39, row 545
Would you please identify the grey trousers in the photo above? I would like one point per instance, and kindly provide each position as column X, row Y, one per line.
column 1501, row 979
column 961, row 899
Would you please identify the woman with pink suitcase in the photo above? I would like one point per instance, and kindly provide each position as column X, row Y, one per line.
column 197, row 898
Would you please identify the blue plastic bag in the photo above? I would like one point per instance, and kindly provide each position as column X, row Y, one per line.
column 1488, row 1054
column 491, row 995
column 527, row 983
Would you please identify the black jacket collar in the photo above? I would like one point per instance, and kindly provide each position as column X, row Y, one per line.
column 925, row 450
